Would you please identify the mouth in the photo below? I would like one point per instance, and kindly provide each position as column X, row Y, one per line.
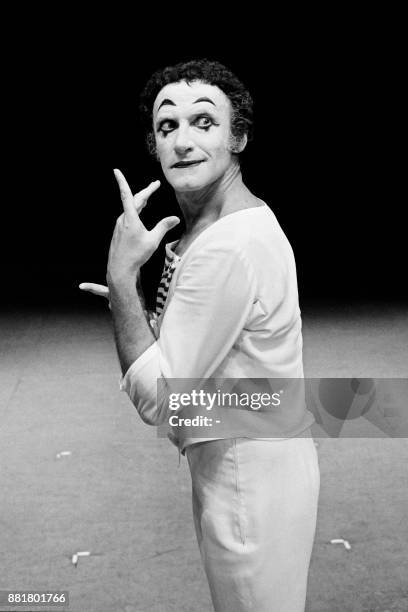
column 187, row 164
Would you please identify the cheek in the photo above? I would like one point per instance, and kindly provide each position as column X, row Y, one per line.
column 221, row 152
column 221, row 145
column 160, row 146
column 162, row 151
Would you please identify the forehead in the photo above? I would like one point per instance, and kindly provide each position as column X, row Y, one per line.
column 184, row 94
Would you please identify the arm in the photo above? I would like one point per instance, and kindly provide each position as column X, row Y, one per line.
column 204, row 319
column 131, row 246
column 103, row 291
column 133, row 335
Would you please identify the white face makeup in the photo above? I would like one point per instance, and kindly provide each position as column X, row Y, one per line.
column 191, row 124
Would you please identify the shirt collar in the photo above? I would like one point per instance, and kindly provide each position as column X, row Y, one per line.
column 170, row 246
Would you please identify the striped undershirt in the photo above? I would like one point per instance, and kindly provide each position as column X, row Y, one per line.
column 170, row 264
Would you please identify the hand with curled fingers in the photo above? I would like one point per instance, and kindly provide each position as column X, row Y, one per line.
column 132, row 244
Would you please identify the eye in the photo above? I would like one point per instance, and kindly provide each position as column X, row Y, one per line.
column 166, row 126
column 204, row 122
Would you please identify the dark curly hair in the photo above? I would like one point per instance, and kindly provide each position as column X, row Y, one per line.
column 210, row 72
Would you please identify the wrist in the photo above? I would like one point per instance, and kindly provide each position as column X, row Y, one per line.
column 122, row 279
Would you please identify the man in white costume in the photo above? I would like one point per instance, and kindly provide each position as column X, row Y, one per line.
column 227, row 308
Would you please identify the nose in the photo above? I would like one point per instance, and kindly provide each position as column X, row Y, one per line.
column 183, row 142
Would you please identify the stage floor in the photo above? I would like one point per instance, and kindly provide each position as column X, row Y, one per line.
column 118, row 491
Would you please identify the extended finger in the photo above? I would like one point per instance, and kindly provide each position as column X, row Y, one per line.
column 162, row 227
column 125, row 194
column 101, row 290
column 141, row 197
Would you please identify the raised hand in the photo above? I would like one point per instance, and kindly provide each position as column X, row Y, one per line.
column 132, row 206
column 132, row 244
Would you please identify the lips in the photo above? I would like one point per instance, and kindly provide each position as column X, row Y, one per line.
column 187, row 164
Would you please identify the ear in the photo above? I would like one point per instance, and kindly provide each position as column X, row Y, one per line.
column 239, row 145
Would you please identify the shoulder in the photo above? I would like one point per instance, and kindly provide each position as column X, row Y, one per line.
column 249, row 242
column 236, row 231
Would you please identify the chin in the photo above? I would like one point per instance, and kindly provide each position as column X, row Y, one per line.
column 182, row 185
column 187, row 187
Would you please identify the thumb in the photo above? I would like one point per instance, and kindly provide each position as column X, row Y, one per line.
column 162, row 227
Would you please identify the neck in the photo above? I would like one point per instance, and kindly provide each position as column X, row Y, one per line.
column 205, row 206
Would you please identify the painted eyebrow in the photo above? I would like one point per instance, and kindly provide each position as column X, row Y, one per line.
column 167, row 101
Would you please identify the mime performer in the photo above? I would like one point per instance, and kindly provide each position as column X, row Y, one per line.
column 227, row 307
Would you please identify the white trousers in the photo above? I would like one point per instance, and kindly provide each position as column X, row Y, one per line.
column 255, row 507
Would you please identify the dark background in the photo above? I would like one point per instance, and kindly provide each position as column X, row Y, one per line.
column 325, row 157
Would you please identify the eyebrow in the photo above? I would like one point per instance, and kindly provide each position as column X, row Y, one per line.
column 167, row 101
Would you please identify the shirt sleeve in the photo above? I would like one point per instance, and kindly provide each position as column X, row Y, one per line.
column 207, row 312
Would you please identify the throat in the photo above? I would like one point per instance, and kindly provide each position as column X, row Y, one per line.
column 184, row 243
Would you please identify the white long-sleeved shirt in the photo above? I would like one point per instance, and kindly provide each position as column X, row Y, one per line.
column 232, row 312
